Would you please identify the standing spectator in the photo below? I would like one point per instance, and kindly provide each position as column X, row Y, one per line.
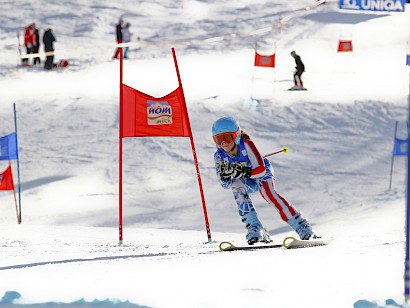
column 48, row 40
column 119, row 37
column 29, row 41
column 126, row 36
column 300, row 68
column 36, row 45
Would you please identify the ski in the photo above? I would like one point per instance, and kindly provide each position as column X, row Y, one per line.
column 288, row 243
column 228, row 246
column 297, row 88
column 293, row 243
column 310, row 6
column 19, row 43
column 20, row 49
column 316, row 4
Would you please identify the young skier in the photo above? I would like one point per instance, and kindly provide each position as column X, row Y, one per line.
column 240, row 166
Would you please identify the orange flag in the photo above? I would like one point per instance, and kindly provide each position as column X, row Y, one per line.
column 6, row 180
column 345, row 46
column 144, row 115
column 264, row 61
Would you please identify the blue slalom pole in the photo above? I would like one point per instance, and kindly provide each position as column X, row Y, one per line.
column 18, row 162
column 407, row 262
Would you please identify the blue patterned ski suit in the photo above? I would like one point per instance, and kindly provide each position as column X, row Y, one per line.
column 262, row 180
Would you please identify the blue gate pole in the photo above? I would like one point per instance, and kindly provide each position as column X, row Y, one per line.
column 18, row 161
column 406, row 271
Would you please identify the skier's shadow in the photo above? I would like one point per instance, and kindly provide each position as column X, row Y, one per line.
column 82, row 260
column 42, row 181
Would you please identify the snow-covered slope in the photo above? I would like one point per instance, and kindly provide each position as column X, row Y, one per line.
column 339, row 134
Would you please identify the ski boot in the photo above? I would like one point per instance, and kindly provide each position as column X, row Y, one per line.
column 256, row 232
column 302, row 227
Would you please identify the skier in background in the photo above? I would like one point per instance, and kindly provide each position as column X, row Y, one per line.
column 126, row 35
column 118, row 31
column 29, row 41
column 48, row 40
column 240, row 166
column 300, row 68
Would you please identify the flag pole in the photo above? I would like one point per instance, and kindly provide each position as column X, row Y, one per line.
column 14, row 193
column 407, row 261
column 274, row 73
column 18, row 162
column 185, row 110
column 392, row 156
column 253, row 70
column 120, row 155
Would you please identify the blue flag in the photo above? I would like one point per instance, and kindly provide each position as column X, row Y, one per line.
column 400, row 147
column 8, row 147
column 408, row 60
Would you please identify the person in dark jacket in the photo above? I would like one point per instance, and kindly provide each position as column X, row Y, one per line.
column 36, row 47
column 118, row 30
column 48, row 40
column 300, row 68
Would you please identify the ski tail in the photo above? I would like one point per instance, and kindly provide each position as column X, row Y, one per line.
column 20, row 49
column 288, row 243
column 19, row 43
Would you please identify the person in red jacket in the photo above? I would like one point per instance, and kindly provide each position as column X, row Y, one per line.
column 29, row 40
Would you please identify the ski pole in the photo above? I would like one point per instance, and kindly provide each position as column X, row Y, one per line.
column 284, row 150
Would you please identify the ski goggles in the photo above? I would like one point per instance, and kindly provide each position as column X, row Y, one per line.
column 225, row 138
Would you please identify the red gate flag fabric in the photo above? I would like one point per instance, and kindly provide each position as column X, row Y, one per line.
column 144, row 115
column 345, row 46
column 264, row 61
column 6, row 180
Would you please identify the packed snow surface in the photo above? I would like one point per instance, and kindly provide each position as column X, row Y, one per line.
column 337, row 171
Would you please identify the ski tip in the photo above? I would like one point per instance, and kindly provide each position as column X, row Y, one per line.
column 292, row 242
column 289, row 241
column 226, row 246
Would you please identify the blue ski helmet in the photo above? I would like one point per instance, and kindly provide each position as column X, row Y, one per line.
column 227, row 125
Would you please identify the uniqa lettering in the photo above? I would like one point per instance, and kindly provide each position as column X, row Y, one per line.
column 387, row 5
